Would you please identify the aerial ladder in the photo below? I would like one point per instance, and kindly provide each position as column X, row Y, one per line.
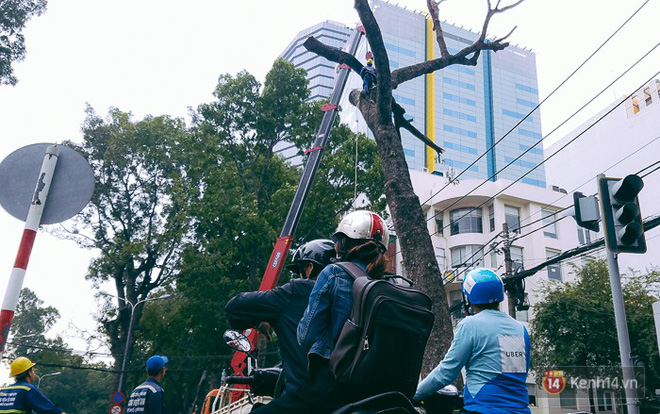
column 282, row 246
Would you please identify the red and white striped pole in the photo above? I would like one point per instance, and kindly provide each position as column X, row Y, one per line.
column 27, row 241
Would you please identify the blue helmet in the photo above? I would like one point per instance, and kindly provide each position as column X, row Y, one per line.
column 482, row 286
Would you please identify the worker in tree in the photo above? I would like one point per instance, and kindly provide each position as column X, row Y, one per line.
column 368, row 74
column 148, row 397
column 22, row 396
column 282, row 308
column 494, row 349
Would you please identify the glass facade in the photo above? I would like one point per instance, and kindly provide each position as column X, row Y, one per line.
column 465, row 108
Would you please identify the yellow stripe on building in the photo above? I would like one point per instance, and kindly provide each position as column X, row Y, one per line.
column 430, row 95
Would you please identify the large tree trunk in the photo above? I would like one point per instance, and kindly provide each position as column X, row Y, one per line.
column 410, row 226
column 407, row 216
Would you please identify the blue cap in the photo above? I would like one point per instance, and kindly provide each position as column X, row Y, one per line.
column 156, row 363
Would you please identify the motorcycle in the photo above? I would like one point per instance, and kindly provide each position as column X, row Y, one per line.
column 233, row 397
column 262, row 382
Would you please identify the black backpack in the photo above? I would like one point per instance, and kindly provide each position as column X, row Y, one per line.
column 381, row 346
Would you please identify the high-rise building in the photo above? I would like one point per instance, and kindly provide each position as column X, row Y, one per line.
column 320, row 71
column 465, row 109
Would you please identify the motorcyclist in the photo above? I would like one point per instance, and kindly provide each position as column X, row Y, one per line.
column 361, row 238
column 493, row 347
column 282, row 308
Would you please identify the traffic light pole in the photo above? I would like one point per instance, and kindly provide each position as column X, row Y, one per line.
column 622, row 333
column 620, row 316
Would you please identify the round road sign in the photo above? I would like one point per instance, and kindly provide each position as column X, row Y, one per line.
column 70, row 190
column 118, row 397
column 116, row 409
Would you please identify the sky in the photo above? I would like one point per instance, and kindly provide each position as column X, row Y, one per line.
column 164, row 57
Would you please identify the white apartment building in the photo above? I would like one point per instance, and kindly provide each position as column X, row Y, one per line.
column 463, row 233
column 623, row 142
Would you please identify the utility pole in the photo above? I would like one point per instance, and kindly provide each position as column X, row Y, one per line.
column 508, row 268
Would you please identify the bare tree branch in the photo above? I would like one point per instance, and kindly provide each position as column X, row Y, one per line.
column 468, row 56
column 439, row 35
column 333, row 54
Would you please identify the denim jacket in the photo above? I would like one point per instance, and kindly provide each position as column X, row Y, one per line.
column 329, row 307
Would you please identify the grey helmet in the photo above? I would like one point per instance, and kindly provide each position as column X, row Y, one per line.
column 320, row 252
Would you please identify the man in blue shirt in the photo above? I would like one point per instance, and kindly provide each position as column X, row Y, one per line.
column 148, row 397
column 22, row 396
column 494, row 349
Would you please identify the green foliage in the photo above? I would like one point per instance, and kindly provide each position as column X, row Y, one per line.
column 14, row 14
column 194, row 211
column 31, row 322
column 574, row 324
column 137, row 218
column 244, row 192
column 79, row 387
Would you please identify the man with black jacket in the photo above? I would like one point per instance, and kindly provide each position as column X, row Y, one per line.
column 282, row 308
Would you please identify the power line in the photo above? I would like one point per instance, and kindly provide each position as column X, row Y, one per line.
column 646, row 168
column 590, row 179
column 543, row 101
column 542, row 218
column 550, row 133
column 483, row 246
column 540, row 228
column 651, row 172
column 648, row 224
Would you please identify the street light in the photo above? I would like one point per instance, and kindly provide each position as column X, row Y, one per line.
column 129, row 332
column 47, row 375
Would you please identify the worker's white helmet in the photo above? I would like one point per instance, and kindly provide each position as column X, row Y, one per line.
column 364, row 225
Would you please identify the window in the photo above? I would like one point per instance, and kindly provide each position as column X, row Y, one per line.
column 549, row 223
column 568, row 398
column 439, row 223
column 584, row 236
column 647, row 96
column 512, row 218
column 635, row 103
column 516, row 258
column 604, row 400
column 455, row 297
column 554, row 271
column 523, row 316
column 470, row 255
column 491, row 217
column 440, row 257
column 531, row 390
column 466, row 220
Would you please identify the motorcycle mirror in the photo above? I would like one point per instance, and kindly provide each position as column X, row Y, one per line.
column 237, row 341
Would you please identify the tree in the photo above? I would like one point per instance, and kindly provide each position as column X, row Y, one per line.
column 79, row 387
column 574, row 326
column 244, row 192
column 14, row 14
column 137, row 217
column 404, row 205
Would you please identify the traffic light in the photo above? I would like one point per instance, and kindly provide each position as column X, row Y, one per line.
column 622, row 219
column 586, row 211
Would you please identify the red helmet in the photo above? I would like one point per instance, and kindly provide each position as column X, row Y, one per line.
column 364, row 225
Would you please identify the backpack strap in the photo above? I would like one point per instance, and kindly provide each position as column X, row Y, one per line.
column 352, row 269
